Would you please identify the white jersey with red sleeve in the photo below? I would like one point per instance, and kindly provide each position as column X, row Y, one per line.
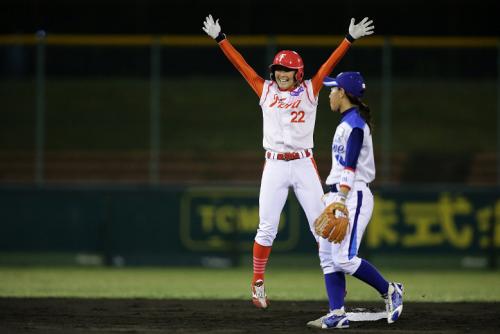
column 288, row 117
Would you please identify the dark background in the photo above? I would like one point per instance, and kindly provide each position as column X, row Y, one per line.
column 102, row 146
column 392, row 17
column 443, row 99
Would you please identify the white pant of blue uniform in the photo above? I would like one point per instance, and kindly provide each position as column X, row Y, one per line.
column 278, row 176
column 343, row 257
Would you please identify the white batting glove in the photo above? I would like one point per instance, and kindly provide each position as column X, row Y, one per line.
column 211, row 28
column 363, row 28
column 329, row 198
column 340, row 198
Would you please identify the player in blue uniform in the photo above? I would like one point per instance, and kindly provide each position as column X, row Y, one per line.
column 353, row 169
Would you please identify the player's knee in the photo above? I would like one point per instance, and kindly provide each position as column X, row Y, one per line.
column 348, row 266
column 265, row 238
column 327, row 266
column 326, row 261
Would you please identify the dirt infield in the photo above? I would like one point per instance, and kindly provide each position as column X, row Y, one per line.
column 59, row 315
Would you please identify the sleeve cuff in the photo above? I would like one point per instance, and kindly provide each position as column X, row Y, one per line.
column 349, row 38
column 347, row 178
column 221, row 37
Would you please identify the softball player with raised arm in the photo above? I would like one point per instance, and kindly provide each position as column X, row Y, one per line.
column 353, row 169
column 288, row 105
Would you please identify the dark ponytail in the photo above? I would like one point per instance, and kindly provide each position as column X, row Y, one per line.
column 364, row 110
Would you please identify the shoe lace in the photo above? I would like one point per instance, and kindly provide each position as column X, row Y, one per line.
column 338, row 313
column 259, row 291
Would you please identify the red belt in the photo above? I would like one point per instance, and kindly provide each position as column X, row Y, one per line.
column 287, row 156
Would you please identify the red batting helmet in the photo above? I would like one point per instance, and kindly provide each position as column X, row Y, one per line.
column 289, row 59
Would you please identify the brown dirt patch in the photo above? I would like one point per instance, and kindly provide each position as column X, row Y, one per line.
column 73, row 315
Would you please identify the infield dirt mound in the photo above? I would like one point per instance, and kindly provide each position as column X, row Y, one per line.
column 71, row 315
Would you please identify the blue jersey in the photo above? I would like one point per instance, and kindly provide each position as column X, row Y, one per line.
column 352, row 149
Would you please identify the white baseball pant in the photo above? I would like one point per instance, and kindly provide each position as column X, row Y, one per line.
column 278, row 176
column 343, row 256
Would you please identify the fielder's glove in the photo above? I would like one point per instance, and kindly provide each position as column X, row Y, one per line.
column 363, row 28
column 212, row 28
column 333, row 222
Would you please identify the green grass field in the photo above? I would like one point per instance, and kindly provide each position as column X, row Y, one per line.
column 199, row 283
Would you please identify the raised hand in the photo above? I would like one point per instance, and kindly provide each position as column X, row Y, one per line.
column 211, row 28
column 363, row 28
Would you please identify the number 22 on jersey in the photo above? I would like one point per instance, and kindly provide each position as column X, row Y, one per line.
column 297, row 117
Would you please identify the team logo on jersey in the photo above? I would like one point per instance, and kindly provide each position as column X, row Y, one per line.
column 339, row 159
column 338, row 152
column 338, row 149
column 297, row 91
column 282, row 104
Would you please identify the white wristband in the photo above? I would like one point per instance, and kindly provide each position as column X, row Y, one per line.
column 347, row 178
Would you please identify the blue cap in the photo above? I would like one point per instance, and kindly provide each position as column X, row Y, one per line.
column 352, row 82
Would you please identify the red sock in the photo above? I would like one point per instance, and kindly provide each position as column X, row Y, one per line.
column 260, row 256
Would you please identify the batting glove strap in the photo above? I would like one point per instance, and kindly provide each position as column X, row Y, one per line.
column 220, row 37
